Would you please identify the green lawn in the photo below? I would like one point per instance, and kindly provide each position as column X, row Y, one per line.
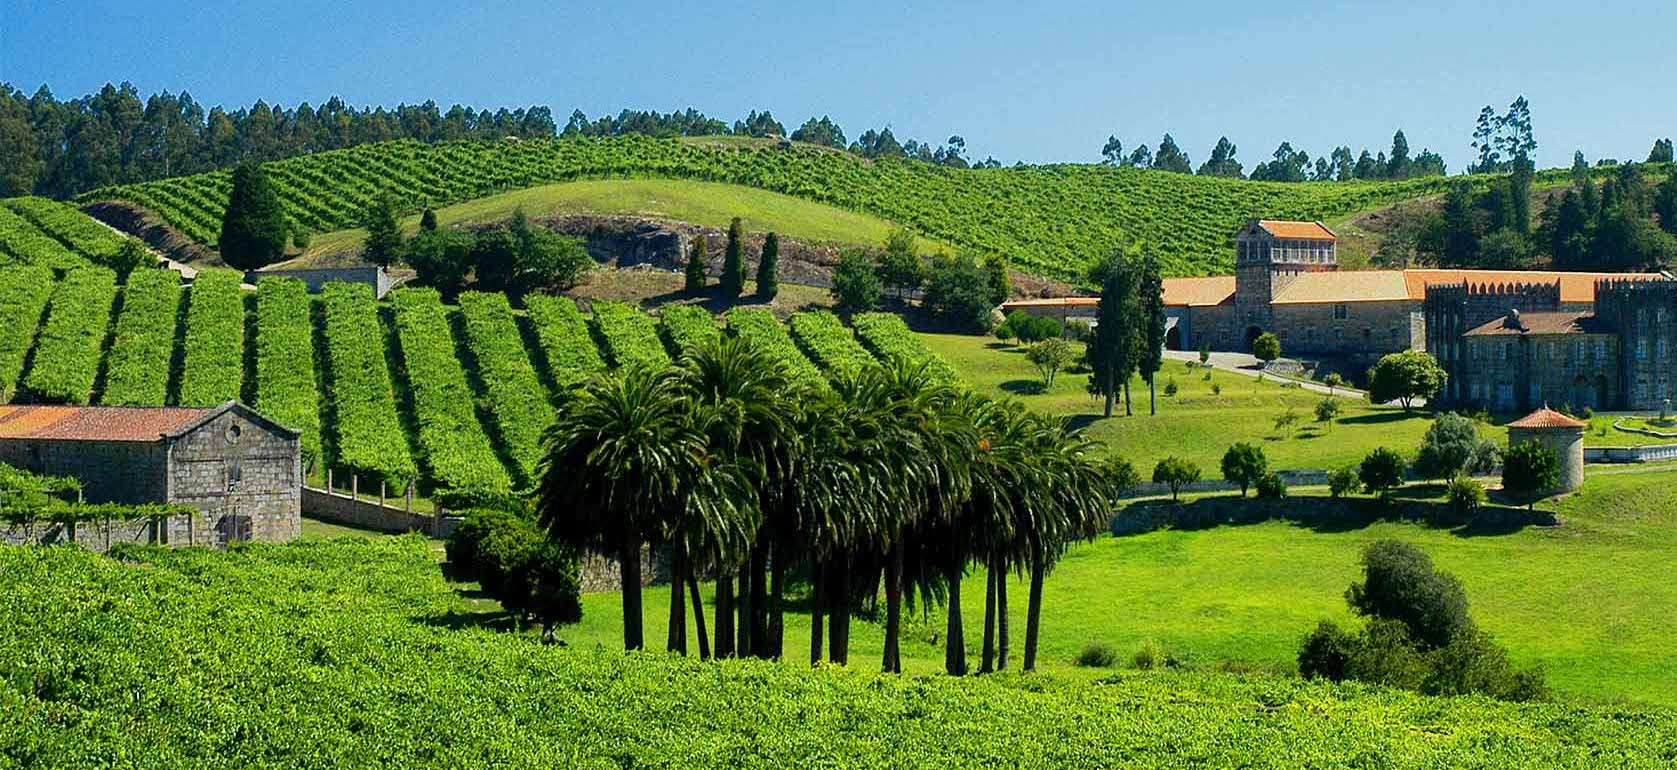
column 1195, row 423
column 1590, row 600
column 705, row 203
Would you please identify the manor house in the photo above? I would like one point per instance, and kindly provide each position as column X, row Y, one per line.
column 1287, row 281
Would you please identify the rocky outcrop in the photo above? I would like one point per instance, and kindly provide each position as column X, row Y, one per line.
column 151, row 229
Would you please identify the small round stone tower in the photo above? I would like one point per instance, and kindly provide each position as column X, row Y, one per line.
column 1560, row 433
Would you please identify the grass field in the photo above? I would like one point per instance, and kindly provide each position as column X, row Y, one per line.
column 1590, row 600
column 710, row 204
column 1196, row 423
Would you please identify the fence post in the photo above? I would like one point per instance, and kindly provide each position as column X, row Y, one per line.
column 355, row 486
column 409, row 506
column 381, row 494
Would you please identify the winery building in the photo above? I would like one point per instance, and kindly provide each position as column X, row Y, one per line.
column 239, row 469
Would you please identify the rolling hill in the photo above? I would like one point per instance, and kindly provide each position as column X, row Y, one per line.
column 1050, row 220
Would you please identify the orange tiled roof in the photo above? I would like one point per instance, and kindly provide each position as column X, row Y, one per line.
column 1344, row 286
column 1541, row 323
column 1297, row 231
column 95, row 423
column 1546, row 418
column 1575, row 287
column 1199, row 292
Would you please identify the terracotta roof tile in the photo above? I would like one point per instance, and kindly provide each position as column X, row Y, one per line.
column 1575, row 287
column 1542, row 323
column 1199, row 292
column 1344, row 286
column 95, row 423
column 1546, row 418
column 1297, row 231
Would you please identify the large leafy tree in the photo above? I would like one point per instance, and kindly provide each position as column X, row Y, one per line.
column 1405, row 377
column 253, row 229
column 384, row 233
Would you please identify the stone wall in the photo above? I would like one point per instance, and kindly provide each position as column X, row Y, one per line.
column 177, row 531
column 368, row 514
column 244, row 474
column 316, row 278
column 1523, row 372
column 129, row 472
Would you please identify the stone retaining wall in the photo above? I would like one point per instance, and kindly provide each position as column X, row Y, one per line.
column 1630, row 454
column 368, row 514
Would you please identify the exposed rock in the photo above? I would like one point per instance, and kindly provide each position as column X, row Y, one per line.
column 151, row 229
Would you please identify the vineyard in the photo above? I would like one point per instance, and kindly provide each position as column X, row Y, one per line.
column 456, row 399
column 44, row 233
column 351, row 653
column 1050, row 220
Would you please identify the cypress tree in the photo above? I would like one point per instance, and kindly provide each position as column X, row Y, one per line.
column 733, row 261
column 253, row 230
column 384, row 234
column 696, row 259
column 768, row 268
column 428, row 221
column 995, row 278
column 1112, row 348
column 1151, row 303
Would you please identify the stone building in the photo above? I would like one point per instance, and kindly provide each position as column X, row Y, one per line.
column 240, row 470
column 1287, row 281
column 1562, row 434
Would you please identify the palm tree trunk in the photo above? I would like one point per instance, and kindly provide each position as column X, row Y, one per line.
column 955, row 643
column 629, row 570
column 838, row 592
column 698, row 613
column 893, row 660
column 1033, row 614
column 760, row 601
column 742, row 600
column 987, row 661
column 677, row 641
column 777, row 617
column 724, row 616
column 817, row 581
column 1001, row 616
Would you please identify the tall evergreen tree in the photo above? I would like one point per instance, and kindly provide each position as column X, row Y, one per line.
column 1222, row 162
column 1171, row 158
column 733, row 261
column 384, row 233
column 1665, row 203
column 1112, row 348
column 768, row 267
column 1661, row 152
column 696, row 259
column 1461, row 240
column 1151, row 303
column 995, row 277
column 253, row 230
column 428, row 221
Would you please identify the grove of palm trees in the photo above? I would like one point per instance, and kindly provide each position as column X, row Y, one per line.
column 887, row 481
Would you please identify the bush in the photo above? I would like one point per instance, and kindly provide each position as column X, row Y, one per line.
column 855, row 285
column 533, row 578
column 1381, row 471
column 1404, row 377
column 1529, row 470
column 1170, row 388
column 1004, row 332
column 1400, row 583
column 1587, row 414
column 1343, row 481
column 1097, row 655
column 1465, row 495
column 1175, row 472
column 1327, row 409
column 1326, row 652
column 1452, row 445
column 1151, row 656
column 958, row 288
column 1216, row 387
column 1271, row 487
column 1244, row 464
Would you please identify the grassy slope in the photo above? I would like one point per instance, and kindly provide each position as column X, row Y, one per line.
column 1195, row 423
column 1589, row 600
column 354, row 653
column 710, row 204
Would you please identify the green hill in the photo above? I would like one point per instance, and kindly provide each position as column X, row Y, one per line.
column 355, row 653
column 1050, row 220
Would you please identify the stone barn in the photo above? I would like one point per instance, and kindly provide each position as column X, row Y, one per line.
column 242, row 471
column 1560, row 433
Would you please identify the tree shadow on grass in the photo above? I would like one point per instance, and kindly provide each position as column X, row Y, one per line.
column 1082, row 421
column 1024, row 387
column 1378, row 418
column 455, row 620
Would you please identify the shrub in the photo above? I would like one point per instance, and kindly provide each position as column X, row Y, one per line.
column 1381, row 471
column 1586, row 414
column 1266, row 347
column 1452, row 445
column 958, row 288
column 1175, row 472
column 1343, row 481
column 1271, row 487
column 1530, row 469
column 1170, row 387
column 1465, row 495
column 855, row 285
column 1004, row 332
column 1049, row 357
column 533, row 578
column 1079, row 330
column 1244, row 464
column 1150, row 656
column 1400, row 583
column 1326, row 652
column 1327, row 410
column 1404, row 377
column 1216, row 387
column 1097, row 655
column 1121, row 475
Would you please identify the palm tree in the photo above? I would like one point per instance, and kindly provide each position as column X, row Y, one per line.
column 1075, row 500
column 622, row 453
column 739, row 391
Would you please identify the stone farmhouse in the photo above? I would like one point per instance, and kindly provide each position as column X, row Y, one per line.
column 1287, row 281
column 239, row 469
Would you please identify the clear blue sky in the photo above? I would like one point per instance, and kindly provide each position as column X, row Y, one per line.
column 1039, row 82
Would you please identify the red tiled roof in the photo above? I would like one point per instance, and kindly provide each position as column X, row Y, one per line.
column 1575, row 287
column 1546, row 418
column 96, row 423
column 1297, row 231
column 1344, row 286
column 1199, row 292
column 1541, row 323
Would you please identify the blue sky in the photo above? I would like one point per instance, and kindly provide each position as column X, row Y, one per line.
column 1038, row 82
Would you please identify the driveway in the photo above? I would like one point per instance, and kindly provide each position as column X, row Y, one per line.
column 1247, row 365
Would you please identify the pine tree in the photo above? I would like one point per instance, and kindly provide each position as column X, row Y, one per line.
column 995, row 278
column 428, row 221
column 384, row 234
column 733, row 261
column 253, row 230
column 696, row 259
column 768, row 268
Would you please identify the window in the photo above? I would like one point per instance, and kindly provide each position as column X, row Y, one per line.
column 1600, row 350
column 1473, row 352
column 1641, row 350
column 1659, row 349
column 1578, row 351
column 1341, row 312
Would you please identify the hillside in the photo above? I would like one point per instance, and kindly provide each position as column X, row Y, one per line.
column 357, row 653
column 1050, row 220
